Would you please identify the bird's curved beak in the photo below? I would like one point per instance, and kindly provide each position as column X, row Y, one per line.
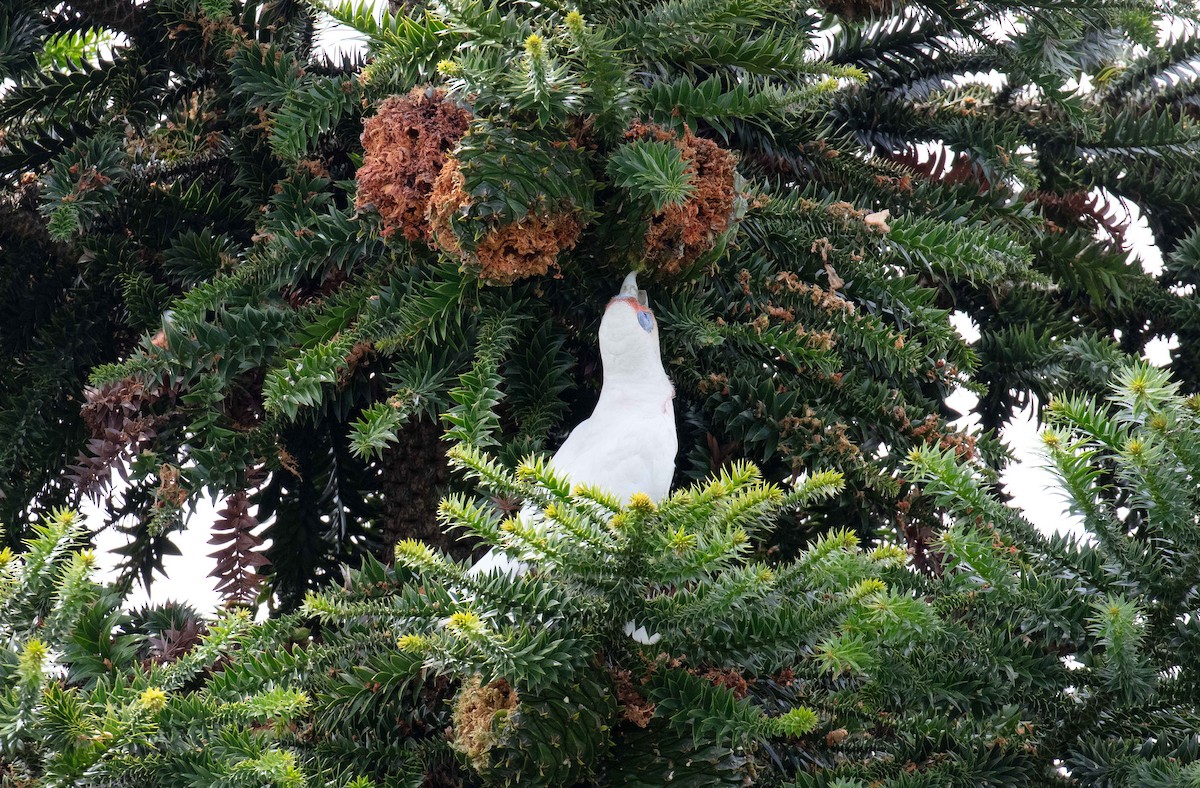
column 629, row 289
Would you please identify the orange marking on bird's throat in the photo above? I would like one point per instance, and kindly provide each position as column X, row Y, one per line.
column 645, row 317
column 633, row 302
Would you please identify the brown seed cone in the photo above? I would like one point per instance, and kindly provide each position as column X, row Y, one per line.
column 527, row 247
column 415, row 476
column 405, row 146
column 680, row 234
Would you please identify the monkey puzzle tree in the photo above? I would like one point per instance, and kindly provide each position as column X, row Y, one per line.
column 273, row 268
column 277, row 271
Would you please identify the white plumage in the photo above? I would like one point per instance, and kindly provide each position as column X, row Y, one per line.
column 628, row 445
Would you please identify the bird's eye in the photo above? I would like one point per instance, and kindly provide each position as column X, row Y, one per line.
column 646, row 321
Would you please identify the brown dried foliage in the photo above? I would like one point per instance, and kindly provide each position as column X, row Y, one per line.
column 238, row 558
column 809, row 434
column 681, row 233
column 360, row 355
column 635, row 707
column 171, row 492
column 1081, row 210
column 825, row 300
column 175, row 643
column 529, row 246
column 935, row 432
column 120, row 429
column 405, row 146
column 944, row 165
column 920, row 525
column 728, row 678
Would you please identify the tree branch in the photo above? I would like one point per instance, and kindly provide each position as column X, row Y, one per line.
column 122, row 16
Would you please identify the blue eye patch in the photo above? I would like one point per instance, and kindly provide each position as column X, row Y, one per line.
column 646, row 320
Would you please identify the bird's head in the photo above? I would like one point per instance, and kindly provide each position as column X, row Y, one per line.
column 629, row 333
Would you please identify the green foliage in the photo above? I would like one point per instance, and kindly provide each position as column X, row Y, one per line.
column 71, row 49
column 651, row 640
column 473, row 418
column 84, row 696
column 1117, row 602
column 181, row 228
column 309, row 112
column 231, row 707
column 651, row 171
column 81, row 183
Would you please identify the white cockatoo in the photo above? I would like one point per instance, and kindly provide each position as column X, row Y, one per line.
column 628, row 445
